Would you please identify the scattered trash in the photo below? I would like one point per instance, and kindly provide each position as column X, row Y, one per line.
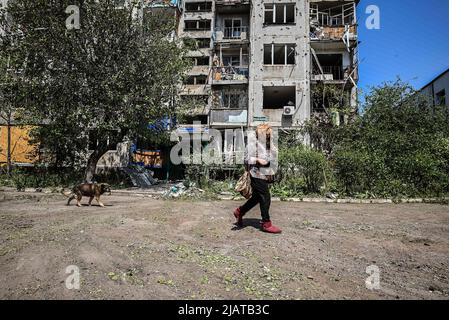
column 331, row 195
column 140, row 177
column 183, row 189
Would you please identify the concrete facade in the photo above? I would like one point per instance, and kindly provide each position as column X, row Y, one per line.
column 260, row 57
column 264, row 75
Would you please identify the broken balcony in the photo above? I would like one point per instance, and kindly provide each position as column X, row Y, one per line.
column 332, row 68
column 230, row 97
column 229, row 106
column 229, row 75
column 231, row 27
column 228, row 117
column 333, row 21
column 230, row 64
column 330, row 73
column 231, row 2
column 231, row 34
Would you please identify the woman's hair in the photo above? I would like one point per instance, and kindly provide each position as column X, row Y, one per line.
column 264, row 130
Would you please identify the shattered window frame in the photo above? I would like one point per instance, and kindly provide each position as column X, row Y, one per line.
column 275, row 53
column 205, row 6
column 273, row 12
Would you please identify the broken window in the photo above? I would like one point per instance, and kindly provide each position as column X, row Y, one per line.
column 231, row 61
column 267, row 54
column 196, row 43
column 289, row 13
column 232, row 28
column 269, row 13
column 279, row 97
column 201, row 61
column 230, row 99
column 332, row 65
column 195, row 80
column 197, row 25
column 329, row 14
column 190, row 25
column 204, row 25
column 279, row 54
column 195, row 118
column 280, row 13
column 203, row 43
column 441, row 98
column 198, row 6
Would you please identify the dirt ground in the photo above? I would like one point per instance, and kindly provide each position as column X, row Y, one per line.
column 142, row 248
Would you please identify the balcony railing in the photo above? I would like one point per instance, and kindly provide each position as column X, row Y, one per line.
column 228, row 117
column 336, row 16
column 229, row 100
column 329, row 73
column 222, row 75
column 234, row 32
column 231, row 33
column 231, row 2
column 333, row 33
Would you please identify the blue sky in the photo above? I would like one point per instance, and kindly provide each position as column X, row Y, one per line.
column 413, row 42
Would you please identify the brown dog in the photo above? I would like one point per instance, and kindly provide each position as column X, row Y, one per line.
column 91, row 190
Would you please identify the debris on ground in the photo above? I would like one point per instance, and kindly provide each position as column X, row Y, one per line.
column 184, row 190
column 140, row 176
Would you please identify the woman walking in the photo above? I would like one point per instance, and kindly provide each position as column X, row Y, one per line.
column 259, row 158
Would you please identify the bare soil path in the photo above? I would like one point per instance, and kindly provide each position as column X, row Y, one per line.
column 142, row 248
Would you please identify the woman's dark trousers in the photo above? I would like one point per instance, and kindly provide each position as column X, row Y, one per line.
column 261, row 195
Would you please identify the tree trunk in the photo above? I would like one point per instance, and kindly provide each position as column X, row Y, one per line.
column 8, row 150
column 91, row 167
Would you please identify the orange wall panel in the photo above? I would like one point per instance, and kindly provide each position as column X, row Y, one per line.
column 22, row 151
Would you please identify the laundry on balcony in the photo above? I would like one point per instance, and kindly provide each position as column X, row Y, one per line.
column 230, row 73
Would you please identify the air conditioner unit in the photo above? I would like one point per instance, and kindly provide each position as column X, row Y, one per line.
column 289, row 110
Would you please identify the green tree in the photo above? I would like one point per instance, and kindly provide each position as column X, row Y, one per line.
column 398, row 146
column 329, row 103
column 11, row 96
column 115, row 74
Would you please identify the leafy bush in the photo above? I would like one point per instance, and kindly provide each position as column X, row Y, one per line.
column 349, row 168
column 302, row 170
column 40, row 177
column 398, row 147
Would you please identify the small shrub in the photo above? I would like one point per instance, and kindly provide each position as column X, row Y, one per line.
column 302, row 170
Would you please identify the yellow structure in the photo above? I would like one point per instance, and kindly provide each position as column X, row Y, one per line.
column 22, row 151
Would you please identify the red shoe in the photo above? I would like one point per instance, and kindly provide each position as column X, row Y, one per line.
column 270, row 228
column 238, row 215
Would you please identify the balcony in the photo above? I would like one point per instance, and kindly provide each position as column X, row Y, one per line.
column 329, row 22
column 229, row 75
column 231, row 34
column 327, row 14
column 228, row 117
column 333, row 33
column 330, row 73
column 231, row 2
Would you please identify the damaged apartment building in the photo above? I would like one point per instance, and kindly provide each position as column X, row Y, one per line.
column 259, row 61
